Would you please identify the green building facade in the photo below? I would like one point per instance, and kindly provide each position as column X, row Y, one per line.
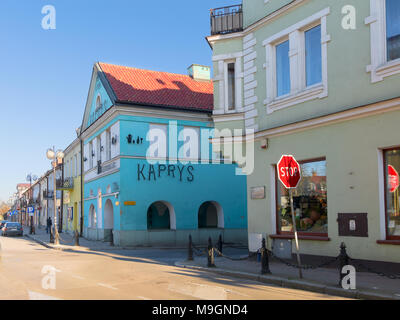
column 317, row 79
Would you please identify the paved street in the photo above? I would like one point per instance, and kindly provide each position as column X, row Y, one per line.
column 142, row 274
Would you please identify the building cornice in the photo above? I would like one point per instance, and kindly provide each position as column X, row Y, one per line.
column 341, row 116
column 127, row 110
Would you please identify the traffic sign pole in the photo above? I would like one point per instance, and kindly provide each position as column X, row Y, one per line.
column 289, row 173
column 295, row 233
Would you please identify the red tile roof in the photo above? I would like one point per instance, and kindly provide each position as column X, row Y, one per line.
column 148, row 87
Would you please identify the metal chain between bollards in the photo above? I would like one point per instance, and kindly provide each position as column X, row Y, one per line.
column 379, row 273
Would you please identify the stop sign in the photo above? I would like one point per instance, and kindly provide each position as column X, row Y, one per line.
column 393, row 178
column 289, row 171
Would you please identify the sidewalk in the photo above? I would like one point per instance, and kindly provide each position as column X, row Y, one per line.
column 66, row 241
column 323, row 280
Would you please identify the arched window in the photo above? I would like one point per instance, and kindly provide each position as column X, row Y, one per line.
column 108, row 215
column 92, row 217
column 98, row 102
column 161, row 215
column 210, row 215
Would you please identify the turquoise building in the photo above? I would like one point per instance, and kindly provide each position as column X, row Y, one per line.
column 150, row 175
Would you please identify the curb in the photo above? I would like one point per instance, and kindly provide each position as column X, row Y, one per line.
column 44, row 244
column 295, row 284
column 49, row 246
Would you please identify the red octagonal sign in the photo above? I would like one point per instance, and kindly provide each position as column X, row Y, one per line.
column 289, row 171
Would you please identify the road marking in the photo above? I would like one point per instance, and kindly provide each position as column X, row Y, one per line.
column 143, row 298
column 106, row 286
column 40, row 296
column 78, row 277
column 203, row 292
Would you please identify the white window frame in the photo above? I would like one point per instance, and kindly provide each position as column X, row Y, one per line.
column 380, row 67
column 221, row 82
column 299, row 92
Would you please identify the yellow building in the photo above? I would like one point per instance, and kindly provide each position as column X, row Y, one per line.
column 72, row 213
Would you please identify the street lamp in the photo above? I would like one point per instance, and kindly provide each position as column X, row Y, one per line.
column 55, row 156
column 31, row 177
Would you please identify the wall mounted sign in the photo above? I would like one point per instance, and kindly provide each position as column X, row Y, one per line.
column 130, row 203
column 258, row 193
column 154, row 172
column 132, row 140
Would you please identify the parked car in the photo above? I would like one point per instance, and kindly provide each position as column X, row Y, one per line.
column 12, row 229
column 2, row 223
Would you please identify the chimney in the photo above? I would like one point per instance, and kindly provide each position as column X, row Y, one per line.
column 199, row 72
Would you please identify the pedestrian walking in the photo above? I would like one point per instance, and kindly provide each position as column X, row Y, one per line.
column 49, row 224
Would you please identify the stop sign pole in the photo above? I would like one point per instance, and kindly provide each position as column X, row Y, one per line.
column 289, row 174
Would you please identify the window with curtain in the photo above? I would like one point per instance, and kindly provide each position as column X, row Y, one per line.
column 313, row 56
column 393, row 29
column 282, row 69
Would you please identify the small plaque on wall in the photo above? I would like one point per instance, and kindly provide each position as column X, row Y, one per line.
column 353, row 224
column 258, row 193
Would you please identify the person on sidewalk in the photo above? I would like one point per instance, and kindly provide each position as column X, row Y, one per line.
column 49, row 224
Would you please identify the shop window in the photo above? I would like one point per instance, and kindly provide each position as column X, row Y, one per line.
column 309, row 201
column 392, row 197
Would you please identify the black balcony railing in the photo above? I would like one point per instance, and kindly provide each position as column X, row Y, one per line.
column 48, row 194
column 226, row 19
column 66, row 184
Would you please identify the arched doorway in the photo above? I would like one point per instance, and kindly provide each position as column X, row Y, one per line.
column 161, row 215
column 92, row 217
column 108, row 221
column 210, row 215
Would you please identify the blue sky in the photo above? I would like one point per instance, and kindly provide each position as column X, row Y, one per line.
column 45, row 74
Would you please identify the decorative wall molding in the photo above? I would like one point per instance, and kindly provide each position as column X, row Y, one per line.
column 250, row 84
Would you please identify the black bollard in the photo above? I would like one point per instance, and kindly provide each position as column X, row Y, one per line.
column 264, row 258
column 112, row 238
column 220, row 243
column 343, row 261
column 190, row 249
column 51, row 236
column 210, row 257
column 76, row 238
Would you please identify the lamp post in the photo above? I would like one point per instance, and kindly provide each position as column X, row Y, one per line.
column 55, row 156
column 31, row 177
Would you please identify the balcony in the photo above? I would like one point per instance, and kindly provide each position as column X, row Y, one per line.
column 226, row 19
column 66, row 184
column 48, row 194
